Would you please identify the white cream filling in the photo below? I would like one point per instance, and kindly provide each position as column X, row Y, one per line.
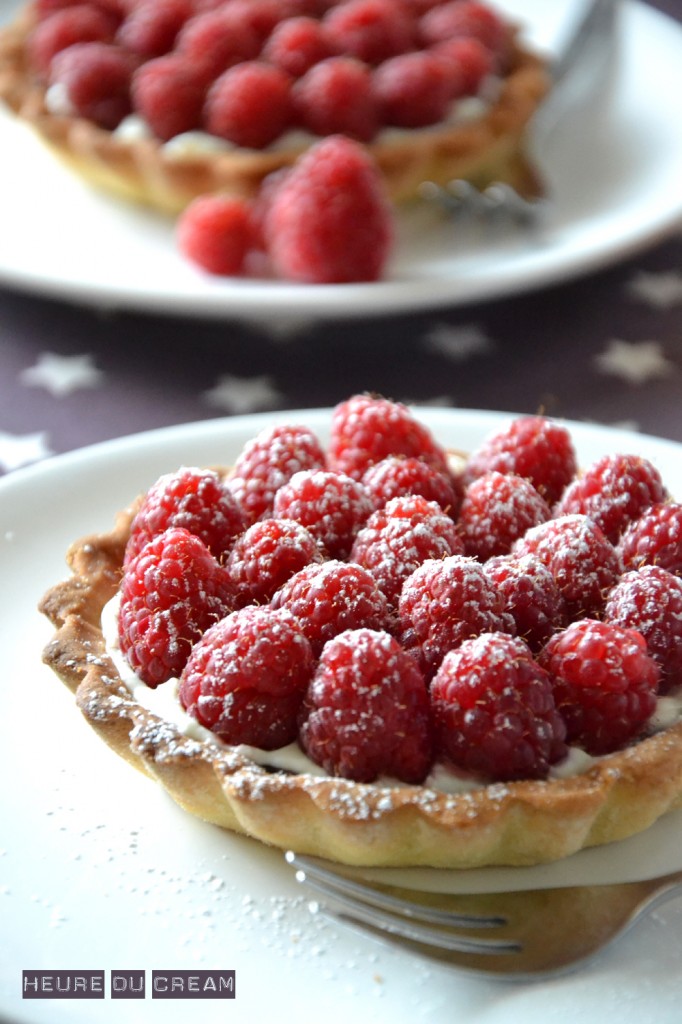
column 164, row 702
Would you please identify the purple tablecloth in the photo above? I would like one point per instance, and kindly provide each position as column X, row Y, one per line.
column 606, row 348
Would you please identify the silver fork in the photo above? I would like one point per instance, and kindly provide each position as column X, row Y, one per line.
column 528, row 935
column 575, row 73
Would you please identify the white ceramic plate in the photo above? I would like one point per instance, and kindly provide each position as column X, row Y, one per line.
column 613, row 172
column 100, row 870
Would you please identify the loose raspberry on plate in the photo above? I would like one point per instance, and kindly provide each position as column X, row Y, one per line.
column 605, row 683
column 650, row 601
column 494, row 712
column 444, row 602
column 150, row 28
column 400, row 536
column 583, row 562
column 168, row 93
column 217, row 40
column 217, row 233
column 197, row 500
column 398, row 476
column 81, row 23
column 337, row 96
column 654, row 539
column 330, row 222
column 170, row 594
column 496, row 511
column 367, row 428
column 531, row 596
column 268, row 461
column 613, row 492
column 371, row 30
column 414, row 89
column 532, row 447
column 332, row 506
column 97, row 79
column 296, row 44
column 247, row 676
column 249, row 105
column 268, row 554
column 366, row 712
column 332, row 597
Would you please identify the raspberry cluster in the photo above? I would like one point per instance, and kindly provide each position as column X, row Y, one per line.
column 325, row 596
column 251, row 73
column 248, row 71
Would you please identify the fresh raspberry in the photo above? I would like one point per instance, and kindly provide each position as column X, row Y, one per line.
column 246, row 678
column 170, row 594
column 465, row 19
column 249, row 105
column 330, row 222
column 263, row 16
column 150, row 29
column 330, row 505
column 366, row 429
column 217, row 40
column 397, row 476
column 605, row 683
column 196, row 500
column 297, row 44
column 532, row 447
column 583, row 562
column 168, row 93
column 444, row 602
column 467, row 63
column 268, row 554
column 269, row 461
column 78, row 24
column 262, row 202
column 97, row 79
column 654, row 539
column 399, row 537
column 366, row 712
column 650, row 601
column 613, row 492
column 337, row 96
column 494, row 712
column 216, row 233
column 331, row 597
column 371, row 30
column 497, row 509
column 44, row 8
column 530, row 595
column 414, row 89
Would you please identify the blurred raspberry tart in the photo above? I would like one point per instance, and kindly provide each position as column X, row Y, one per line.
column 320, row 665
column 161, row 102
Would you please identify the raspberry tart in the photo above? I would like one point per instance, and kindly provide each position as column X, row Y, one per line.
column 319, row 662
column 163, row 101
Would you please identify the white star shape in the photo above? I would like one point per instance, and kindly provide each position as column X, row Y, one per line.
column 18, row 450
column 634, row 361
column 458, row 343
column 242, row 395
column 661, row 289
column 60, row 375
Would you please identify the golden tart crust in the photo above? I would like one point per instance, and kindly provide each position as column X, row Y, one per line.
column 490, row 149
column 520, row 823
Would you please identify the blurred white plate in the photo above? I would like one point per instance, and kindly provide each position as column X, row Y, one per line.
column 100, row 870
column 613, row 171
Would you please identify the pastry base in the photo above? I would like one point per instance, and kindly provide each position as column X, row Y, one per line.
column 520, row 823
column 491, row 149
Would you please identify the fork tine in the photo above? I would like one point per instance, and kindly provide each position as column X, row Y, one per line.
column 382, row 913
